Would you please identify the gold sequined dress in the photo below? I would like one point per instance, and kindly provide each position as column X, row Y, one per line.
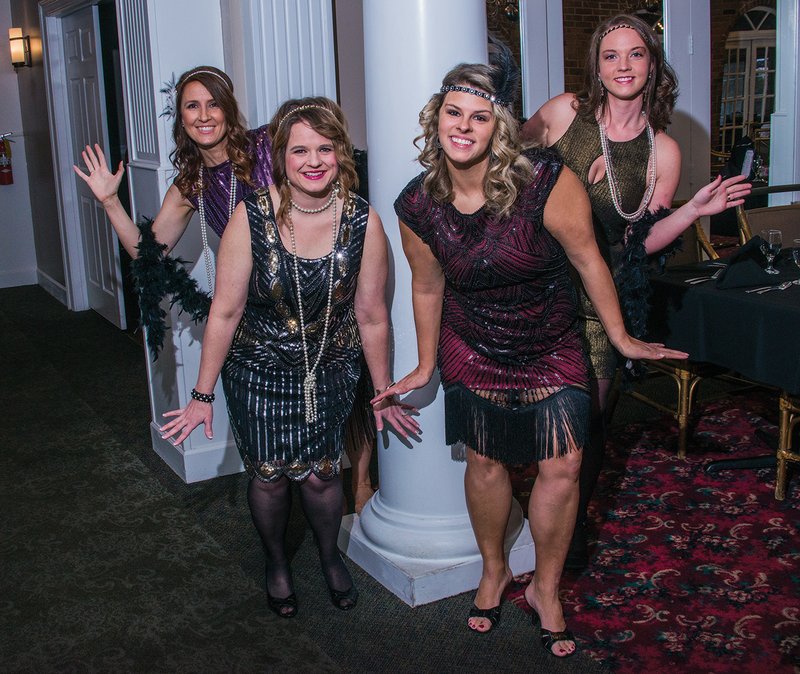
column 264, row 371
column 580, row 148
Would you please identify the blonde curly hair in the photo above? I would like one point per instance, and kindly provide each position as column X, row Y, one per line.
column 508, row 172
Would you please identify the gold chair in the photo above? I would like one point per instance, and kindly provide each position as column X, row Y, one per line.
column 789, row 415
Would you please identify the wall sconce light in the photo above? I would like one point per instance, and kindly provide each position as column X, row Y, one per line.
column 20, row 48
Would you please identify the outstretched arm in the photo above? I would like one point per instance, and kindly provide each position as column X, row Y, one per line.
column 567, row 216
column 170, row 221
column 427, row 293
column 235, row 262
column 709, row 200
column 372, row 315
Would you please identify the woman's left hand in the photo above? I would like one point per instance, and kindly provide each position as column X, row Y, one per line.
column 720, row 194
column 636, row 349
column 398, row 414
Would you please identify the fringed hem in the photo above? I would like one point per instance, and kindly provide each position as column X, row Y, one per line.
column 155, row 276
column 360, row 428
column 518, row 434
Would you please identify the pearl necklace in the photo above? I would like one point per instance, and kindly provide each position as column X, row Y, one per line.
column 310, row 380
column 203, row 230
column 612, row 181
column 311, row 211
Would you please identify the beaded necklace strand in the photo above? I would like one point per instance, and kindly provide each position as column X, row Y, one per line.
column 612, row 180
column 203, row 228
column 310, row 380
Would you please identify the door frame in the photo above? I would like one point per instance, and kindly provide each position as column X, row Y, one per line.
column 72, row 253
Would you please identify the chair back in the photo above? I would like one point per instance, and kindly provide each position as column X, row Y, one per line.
column 785, row 217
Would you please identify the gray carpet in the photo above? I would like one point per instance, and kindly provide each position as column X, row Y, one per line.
column 111, row 563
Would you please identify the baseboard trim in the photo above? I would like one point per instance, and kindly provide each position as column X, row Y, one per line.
column 52, row 287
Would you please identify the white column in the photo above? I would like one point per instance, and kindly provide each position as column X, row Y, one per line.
column 784, row 168
column 687, row 44
column 414, row 535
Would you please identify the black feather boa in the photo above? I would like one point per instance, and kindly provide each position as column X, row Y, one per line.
column 631, row 273
column 632, row 279
column 156, row 276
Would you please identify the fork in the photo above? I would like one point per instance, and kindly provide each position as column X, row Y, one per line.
column 782, row 286
column 703, row 279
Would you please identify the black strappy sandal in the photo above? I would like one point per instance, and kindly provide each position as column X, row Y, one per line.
column 490, row 614
column 283, row 608
column 550, row 638
column 344, row 600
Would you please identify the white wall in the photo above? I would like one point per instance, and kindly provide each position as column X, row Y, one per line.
column 17, row 252
column 350, row 68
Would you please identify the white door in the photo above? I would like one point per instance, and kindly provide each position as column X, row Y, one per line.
column 87, row 123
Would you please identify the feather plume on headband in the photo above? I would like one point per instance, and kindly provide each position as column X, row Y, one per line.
column 169, row 91
column 506, row 77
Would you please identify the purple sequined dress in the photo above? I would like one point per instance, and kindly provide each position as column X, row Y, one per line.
column 510, row 355
column 217, row 181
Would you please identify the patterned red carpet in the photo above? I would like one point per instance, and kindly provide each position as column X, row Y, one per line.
column 691, row 572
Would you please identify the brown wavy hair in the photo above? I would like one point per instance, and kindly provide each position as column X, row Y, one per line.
column 186, row 156
column 660, row 91
column 508, row 171
column 327, row 119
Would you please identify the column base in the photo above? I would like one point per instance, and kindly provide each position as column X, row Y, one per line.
column 420, row 581
column 211, row 459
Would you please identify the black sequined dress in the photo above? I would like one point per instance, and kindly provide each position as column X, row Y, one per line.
column 264, row 370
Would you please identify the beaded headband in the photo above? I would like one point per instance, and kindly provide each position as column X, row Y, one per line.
column 469, row 90
column 613, row 28
column 170, row 89
column 310, row 106
column 192, row 73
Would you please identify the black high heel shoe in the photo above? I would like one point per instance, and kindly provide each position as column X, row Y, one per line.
column 550, row 638
column 344, row 600
column 283, row 607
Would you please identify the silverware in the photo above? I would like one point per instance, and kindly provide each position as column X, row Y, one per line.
column 703, row 279
column 782, row 286
column 758, row 290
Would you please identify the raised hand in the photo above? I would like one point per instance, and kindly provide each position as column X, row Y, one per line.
column 720, row 194
column 101, row 181
column 186, row 420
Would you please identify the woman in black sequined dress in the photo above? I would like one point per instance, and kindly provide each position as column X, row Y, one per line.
column 300, row 292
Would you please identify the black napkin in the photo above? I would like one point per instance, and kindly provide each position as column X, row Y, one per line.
column 746, row 268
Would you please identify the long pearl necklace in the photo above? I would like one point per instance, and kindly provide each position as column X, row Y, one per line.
column 310, row 380
column 311, row 211
column 612, row 181
column 203, row 229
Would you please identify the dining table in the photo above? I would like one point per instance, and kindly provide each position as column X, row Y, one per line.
column 751, row 332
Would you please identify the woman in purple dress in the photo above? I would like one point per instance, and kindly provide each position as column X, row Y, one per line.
column 218, row 162
column 489, row 232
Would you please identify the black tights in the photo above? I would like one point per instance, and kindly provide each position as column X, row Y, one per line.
column 270, row 504
column 594, row 452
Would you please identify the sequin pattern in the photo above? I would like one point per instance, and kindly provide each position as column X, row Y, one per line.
column 216, row 193
column 264, row 370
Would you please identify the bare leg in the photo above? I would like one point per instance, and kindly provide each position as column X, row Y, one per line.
column 488, row 491
column 551, row 512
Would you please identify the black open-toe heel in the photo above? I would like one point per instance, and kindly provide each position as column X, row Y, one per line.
column 550, row 639
column 283, row 608
column 490, row 614
column 344, row 600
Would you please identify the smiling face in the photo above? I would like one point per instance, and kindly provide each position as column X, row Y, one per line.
column 624, row 63
column 311, row 162
column 466, row 126
column 203, row 120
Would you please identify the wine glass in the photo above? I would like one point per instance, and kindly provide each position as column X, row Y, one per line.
column 796, row 252
column 771, row 241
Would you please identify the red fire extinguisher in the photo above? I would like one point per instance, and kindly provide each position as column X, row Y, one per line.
column 6, row 175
